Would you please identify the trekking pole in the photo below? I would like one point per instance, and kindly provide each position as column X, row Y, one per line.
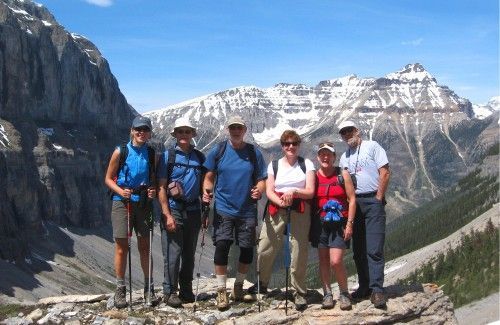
column 287, row 255
column 129, row 237
column 150, row 271
column 259, row 297
column 206, row 210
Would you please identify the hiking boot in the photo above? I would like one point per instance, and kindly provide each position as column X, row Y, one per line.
column 345, row 301
column 172, row 300
column 237, row 293
column 378, row 300
column 120, row 297
column 186, row 297
column 327, row 301
column 300, row 302
column 361, row 294
column 222, row 299
column 253, row 289
column 154, row 299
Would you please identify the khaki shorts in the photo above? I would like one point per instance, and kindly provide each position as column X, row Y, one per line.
column 138, row 219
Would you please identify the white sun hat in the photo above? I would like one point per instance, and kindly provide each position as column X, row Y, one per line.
column 182, row 122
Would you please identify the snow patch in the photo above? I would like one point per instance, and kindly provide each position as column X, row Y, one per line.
column 46, row 23
column 56, row 146
column 4, row 140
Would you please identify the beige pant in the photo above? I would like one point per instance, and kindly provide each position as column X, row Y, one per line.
column 272, row 238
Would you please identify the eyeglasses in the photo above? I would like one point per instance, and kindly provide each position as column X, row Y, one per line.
column 291, row 143
column 183, row 131
column 346, row 130
column 235, row 127
column 143, row 129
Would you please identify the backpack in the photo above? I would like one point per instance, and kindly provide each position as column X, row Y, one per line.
column 221, row 148
column 171, row 161
column 151, row 165
column 300, row 159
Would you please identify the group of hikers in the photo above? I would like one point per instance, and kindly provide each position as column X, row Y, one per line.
column 325, row 207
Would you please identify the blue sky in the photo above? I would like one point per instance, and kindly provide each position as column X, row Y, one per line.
column 164, row 52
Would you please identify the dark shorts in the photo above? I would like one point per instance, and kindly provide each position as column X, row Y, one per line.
column 139, row 218
column 332, row 235
column 242, row 230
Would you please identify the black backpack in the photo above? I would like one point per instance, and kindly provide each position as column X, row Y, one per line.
column 151, row 165
column 171, row 161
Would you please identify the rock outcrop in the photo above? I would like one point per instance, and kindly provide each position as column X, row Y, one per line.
column 61, row 113
column 418, row 304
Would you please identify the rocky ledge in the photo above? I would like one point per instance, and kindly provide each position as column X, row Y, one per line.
column 417, row 304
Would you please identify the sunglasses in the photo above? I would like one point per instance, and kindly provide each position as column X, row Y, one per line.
column 346, row 130
column 142, row 129
column 183, row 131
column 293, row 143
column 235, row 127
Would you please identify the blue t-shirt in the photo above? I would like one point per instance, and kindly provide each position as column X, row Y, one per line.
column 187, row 170
column 234, row 180
column 365, row 161
column 135, row 171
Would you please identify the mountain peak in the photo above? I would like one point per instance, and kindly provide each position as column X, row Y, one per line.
column 412, row 71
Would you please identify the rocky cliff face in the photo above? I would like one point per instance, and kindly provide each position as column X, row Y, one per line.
column 61, row 113
column 431, row 135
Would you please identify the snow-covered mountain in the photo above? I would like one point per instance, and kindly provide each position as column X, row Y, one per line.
column 429, row 132
column 482, row 111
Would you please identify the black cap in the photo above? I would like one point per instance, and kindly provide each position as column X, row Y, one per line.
column 141, row 121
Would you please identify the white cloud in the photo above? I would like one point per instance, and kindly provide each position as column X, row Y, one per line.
column 100, row 3
column 415, row 42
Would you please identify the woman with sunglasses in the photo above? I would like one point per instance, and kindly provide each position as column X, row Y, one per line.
column 288, row 192
column 332, row 226
column 179, row 196
column 132, row 186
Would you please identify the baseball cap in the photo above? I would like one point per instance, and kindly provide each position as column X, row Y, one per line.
column 236, row 119
column 347, row 124
column 141, row 121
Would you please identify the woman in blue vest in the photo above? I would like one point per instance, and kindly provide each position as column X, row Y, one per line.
column 132, row 186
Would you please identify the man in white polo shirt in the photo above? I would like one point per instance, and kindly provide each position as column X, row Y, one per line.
column 367, row 160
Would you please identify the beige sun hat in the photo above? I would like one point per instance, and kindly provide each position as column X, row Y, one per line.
column 182, row 122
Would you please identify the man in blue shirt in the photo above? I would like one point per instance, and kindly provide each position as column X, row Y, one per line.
column 240, row 172
column 179, row 196
column 367, row 160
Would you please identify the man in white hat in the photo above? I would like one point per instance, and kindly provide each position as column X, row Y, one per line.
column 367, row 160
column 180, row 174
column 241, row 174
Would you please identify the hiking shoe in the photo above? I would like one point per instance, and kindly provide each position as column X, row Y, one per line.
column 172, row 300
column 253, row 289
column 378, row 299
column 300, row 301
column 186, row 297
column 121, row 297
column 345, row 301
column 361, row 294
column 154, row 299
column 237, row 293
column 222, row 299
column 327, row 301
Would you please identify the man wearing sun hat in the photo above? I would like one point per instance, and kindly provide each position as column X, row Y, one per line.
column 367, row 160
column 240, row 171
column 181, row 167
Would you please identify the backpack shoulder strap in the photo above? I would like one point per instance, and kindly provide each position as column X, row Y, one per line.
column 200, row 155
column 275, row 167
column 170, row 163
column 302, row 164
column 340, row 178
column 152, row 165
column 253, row 159
column 221, row 148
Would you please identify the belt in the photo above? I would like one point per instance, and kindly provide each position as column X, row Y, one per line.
column 369, row 194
